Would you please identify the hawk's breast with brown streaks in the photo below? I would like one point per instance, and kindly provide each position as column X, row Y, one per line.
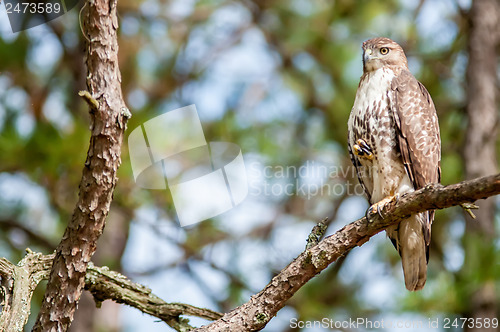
column 372, row 120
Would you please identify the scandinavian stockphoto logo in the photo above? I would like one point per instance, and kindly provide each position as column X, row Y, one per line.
column 205, row 179
column 28, row 14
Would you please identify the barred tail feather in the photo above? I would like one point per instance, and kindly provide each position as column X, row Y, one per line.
column 413, row 248
column 411, row 241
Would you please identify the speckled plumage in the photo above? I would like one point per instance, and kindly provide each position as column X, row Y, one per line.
column 394, row 114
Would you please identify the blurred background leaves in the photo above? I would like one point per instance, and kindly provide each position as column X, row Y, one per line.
column 276, row 77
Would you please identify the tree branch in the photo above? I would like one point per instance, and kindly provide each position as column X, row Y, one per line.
column 19, row 281
column 108, row 120
column 105, row 284
column 258, row 311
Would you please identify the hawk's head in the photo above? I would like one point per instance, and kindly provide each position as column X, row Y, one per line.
column 381, row 52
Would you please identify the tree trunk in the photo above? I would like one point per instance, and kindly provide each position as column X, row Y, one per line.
column 89, row 317
column 108, row 115
column 480, row 145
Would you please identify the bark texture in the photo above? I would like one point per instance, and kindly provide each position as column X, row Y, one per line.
column 110, row 249
column 255, row 314
column 482, row 102
column 105, row 284
column 108, row 115
column 19, row 282
column 258, row 311
column 480, row 145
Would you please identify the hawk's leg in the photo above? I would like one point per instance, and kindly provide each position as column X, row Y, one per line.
column 377, row 207
column 362, row 149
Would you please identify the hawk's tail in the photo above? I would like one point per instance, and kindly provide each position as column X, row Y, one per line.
column 412, row 247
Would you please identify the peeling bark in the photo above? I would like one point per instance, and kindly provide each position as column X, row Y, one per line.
column 108, row 121
column 255, row 314
column 258, row 311
column 19, row 282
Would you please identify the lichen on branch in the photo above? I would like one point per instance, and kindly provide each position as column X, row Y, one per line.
column 258, row 311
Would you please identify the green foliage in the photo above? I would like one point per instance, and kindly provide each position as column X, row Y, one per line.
column 292, row 113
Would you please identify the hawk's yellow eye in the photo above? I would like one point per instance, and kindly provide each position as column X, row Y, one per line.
column 384, row 50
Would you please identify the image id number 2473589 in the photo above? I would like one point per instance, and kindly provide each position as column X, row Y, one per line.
column 33, row 7
column 463, row 322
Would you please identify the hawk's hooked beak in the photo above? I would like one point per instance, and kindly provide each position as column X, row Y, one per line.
column 368, row 55
column 370, row 60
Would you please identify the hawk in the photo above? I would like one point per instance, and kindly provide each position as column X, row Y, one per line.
column 395, row 146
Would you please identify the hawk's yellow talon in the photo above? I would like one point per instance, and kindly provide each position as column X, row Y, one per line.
column 357, row 150
column 362, row 150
